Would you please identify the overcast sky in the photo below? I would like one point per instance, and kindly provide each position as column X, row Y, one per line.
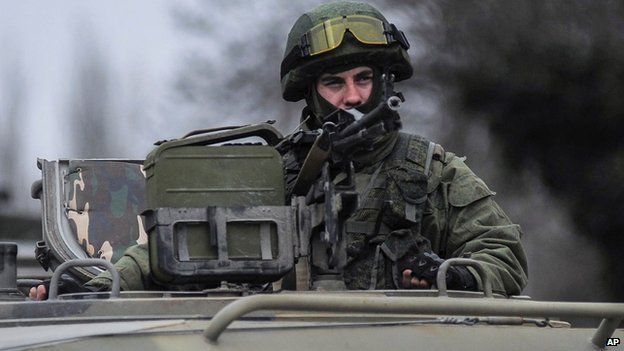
column 38, row 39
column 137, row 38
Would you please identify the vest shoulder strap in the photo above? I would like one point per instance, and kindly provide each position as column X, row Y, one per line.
column 417, row 150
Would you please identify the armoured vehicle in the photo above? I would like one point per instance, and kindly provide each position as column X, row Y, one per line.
column 231, row 232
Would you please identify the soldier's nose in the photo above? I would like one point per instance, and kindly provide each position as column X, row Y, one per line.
column 352, row 96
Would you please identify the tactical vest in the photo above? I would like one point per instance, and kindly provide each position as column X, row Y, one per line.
column 387, row 225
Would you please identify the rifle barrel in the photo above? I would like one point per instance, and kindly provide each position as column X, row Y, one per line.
column 376, row 115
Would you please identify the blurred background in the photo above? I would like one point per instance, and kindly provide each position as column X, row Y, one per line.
column 530, row 91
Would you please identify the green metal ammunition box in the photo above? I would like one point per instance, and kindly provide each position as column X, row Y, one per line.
column 217, row 211
column 192, row 172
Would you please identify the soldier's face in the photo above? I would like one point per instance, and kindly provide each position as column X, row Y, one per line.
column 346, row 89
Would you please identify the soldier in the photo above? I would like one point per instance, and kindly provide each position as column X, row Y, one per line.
column 335, row 57
column 419, row 204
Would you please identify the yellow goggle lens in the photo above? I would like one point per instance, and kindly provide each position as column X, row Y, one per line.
column 328, row 35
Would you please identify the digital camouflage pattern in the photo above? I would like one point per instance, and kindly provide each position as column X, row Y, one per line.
column 387, row 225
column 103, row 203
column 460, row 219
column 133, row 268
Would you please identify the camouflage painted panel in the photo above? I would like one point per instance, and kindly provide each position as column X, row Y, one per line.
column 103, row 202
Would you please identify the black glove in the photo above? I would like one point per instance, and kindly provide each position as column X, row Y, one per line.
column 425, row 266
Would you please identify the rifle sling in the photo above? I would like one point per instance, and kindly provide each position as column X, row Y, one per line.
column 311, row 168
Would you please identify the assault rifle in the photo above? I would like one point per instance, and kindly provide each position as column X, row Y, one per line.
column 330, row 155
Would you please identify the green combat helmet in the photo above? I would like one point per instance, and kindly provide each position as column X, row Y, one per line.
column 336, row 37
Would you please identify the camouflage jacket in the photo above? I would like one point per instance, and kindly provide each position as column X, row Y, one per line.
column 459, row 219
column 462, row 219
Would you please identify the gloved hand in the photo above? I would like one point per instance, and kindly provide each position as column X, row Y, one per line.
column 421, row 270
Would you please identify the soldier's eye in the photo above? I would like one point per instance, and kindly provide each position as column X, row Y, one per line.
column 332, row 81
column 364, row 79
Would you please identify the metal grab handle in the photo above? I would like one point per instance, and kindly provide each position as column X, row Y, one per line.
column 612, row 312
column 210, row 130
column 262, row 130
column 441, row 278
column 84, row 262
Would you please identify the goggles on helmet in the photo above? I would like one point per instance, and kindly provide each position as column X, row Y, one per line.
column 328, row 35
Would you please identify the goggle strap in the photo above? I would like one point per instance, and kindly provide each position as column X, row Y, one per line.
column 388, row 33
column 304, row 46
column 399, row 36
column 393, row 34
